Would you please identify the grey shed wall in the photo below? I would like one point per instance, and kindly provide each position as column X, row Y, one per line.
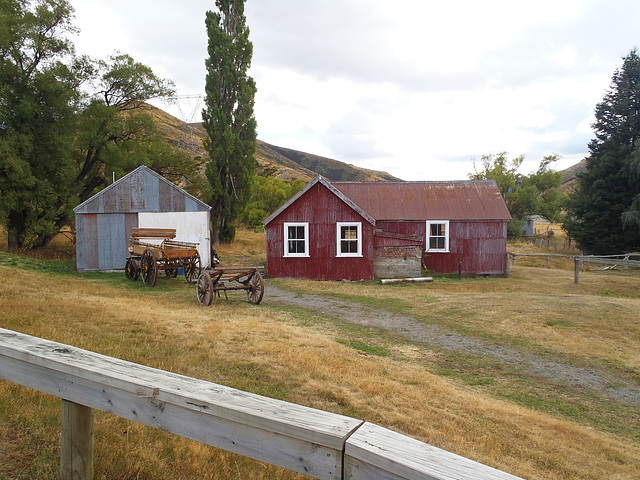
column 104, row 222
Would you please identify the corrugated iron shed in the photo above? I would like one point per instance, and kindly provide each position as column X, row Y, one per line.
column 472, row 200
column 104, row 222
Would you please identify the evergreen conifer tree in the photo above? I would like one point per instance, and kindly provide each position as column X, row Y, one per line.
column 604, row 210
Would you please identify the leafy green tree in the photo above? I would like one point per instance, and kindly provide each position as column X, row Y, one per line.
column 525, row 195
column 604, row 210
column 58, row 145
column 267, row 195
column 38, row 93
column 115, row 132
column 228, row 116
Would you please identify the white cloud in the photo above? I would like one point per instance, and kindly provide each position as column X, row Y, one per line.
column 419, row 89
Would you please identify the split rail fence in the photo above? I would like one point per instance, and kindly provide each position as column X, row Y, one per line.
column 313, row 442
column 625, row 260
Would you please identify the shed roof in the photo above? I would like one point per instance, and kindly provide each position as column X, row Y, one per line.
column 141, row 190
column 453, row 200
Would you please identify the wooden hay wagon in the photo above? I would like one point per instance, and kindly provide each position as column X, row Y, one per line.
column 222, row 279
column 147, row 258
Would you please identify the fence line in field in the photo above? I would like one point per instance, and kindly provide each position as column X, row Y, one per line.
column 313, row 442
column 623, row 260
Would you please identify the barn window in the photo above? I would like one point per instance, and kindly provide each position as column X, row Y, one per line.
column 438, row 236
column 296, row 237
column 349, row 239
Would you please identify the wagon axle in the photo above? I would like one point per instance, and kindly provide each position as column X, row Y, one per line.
column 220, row 279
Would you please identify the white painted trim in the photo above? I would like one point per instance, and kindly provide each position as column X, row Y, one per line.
column 286, row 239
column 339, row 225
column 446, row 236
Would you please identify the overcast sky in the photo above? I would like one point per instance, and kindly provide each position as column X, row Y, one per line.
column 419, row 89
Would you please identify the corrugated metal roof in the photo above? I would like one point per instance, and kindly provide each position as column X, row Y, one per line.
column 454, row 200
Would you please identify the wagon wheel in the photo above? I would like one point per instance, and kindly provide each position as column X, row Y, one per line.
column 132, row 269
column 149, row 268
column 256, row 288
column 193, row 269
column 204, row 289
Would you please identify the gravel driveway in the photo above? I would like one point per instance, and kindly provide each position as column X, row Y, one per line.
column 591, row 380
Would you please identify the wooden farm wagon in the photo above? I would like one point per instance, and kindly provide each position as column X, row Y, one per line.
column 147, row 257
column 222, row 279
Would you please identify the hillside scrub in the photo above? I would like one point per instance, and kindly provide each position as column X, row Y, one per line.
column 304, row 357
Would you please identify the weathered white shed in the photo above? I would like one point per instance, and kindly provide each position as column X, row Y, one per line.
column 140, row 199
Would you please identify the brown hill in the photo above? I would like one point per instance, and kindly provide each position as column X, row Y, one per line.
column 280, row 162
column 569, row 175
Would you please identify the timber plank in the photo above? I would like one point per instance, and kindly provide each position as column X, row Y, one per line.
column 299, row 438
column 377, row 453
column 142, row 232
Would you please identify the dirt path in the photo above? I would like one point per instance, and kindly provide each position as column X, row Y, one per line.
column 591, row 380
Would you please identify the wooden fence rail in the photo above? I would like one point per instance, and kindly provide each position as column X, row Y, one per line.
column 579, row 260
column 313, row 442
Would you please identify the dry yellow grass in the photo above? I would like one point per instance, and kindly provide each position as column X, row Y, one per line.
column 598, row 317
column 249, row 248
column 266, row 350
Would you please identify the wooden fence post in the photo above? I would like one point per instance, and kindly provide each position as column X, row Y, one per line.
column 76, row 442
column 578, row 264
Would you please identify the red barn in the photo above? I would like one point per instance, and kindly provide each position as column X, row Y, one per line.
column 358, row 230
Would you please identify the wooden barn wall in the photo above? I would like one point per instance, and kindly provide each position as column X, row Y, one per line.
column 380, row 241
column 322, row 209
column 481, row 247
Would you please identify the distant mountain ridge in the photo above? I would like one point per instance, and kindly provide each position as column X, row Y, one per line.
column 333, row 170
column 288, row 164
column 283, row 163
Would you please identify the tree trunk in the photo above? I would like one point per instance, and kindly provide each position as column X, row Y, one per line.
column 216, row 227
column 15, row 230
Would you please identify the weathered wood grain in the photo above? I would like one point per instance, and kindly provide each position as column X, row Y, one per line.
column 76, row 442
column 295, row 437
column 376, row 453
column 141, row 232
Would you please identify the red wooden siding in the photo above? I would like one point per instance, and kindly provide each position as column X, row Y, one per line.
column 322, row 209
column 480, row 246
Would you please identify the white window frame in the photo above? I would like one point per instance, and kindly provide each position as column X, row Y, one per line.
column 446, row 236
column 287, row 253
column 358, row 241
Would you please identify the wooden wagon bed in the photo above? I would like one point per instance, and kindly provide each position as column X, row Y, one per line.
column 146, row 257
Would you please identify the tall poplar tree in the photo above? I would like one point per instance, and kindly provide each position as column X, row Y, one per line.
column 228, row 116
column 604, row 210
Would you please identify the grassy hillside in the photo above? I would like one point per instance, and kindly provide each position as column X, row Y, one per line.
column 332, row 169
column 283, row 163
column 569, row 177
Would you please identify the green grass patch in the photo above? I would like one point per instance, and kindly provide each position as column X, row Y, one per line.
column 53, row 267
column 365, row 347
column 562, row 323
